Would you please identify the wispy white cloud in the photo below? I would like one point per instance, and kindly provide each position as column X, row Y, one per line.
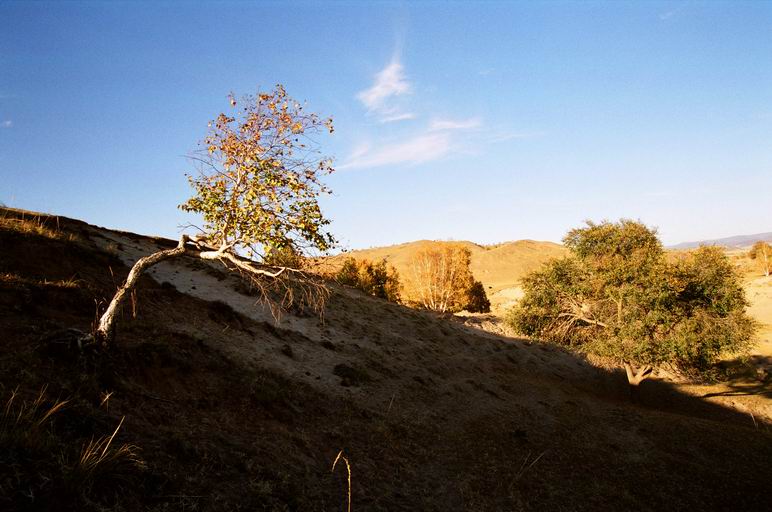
column 390, row 83
column 505, row 136
column 397, row 116
column 422, row 148
column 439, row 138
column 6, row 124
column 450, row 124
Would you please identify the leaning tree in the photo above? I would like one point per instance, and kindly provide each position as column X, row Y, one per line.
column 257, row 185
column 618, row 295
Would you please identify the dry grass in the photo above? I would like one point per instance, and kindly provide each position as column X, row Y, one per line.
column 29, row 223
column 100, row 460
column 35, row 459
column 23, row 422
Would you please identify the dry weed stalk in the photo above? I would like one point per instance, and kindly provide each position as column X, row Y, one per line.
column 348, row 470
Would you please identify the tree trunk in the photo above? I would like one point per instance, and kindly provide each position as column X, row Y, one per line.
column 106, row 329
column 634, row 378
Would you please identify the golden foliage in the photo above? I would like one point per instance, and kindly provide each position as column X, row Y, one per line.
column 440, row 279
column 259, row 176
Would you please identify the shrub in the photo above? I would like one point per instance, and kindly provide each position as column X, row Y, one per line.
column 476, row 299
column 377, row 279
column 285, row 256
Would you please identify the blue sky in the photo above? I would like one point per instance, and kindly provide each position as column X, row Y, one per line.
column 482, row 121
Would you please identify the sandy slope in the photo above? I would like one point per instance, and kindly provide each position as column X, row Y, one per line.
column 377, row 327
column 374, row 321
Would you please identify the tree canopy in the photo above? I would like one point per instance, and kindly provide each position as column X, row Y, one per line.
column 259, row 177
column 618, row 295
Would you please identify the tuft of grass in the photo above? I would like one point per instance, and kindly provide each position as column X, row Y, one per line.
column 29, row 451
column 100, row 461
column 67, row 283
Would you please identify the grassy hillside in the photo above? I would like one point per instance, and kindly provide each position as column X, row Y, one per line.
column 228, row 410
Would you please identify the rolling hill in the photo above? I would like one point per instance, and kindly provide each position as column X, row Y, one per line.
column 499, row 267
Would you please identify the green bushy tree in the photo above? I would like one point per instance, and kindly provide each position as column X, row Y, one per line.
column 617, row 295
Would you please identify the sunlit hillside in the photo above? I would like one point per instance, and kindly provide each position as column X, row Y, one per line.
column 499, row 267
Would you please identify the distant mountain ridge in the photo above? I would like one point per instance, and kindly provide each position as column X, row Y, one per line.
column 732, row 242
